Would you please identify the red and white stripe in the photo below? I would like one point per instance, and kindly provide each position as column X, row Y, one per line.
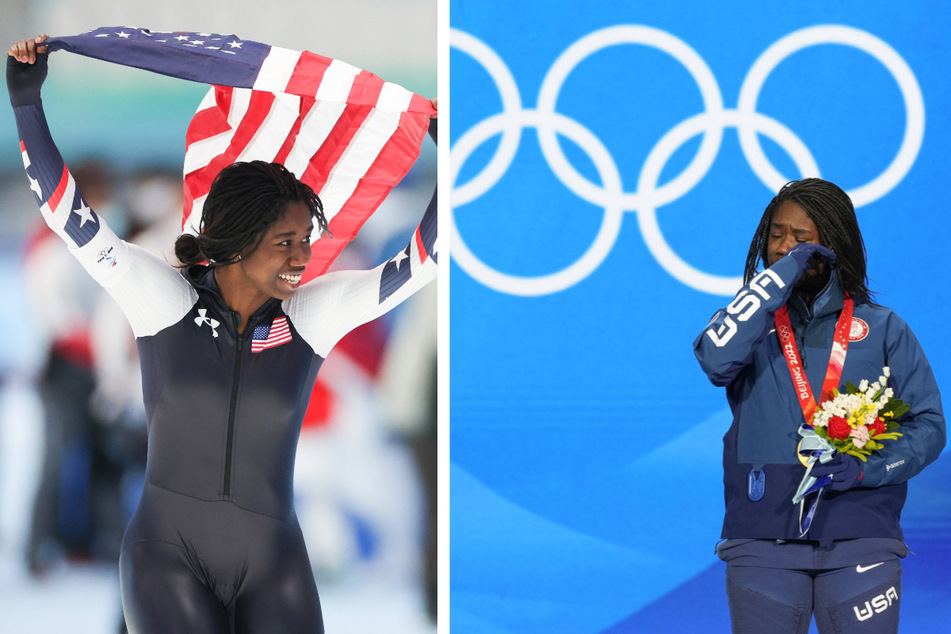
column 57, row 207
column 345, row 132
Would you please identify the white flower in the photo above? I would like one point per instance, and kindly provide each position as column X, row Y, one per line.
column 863, row 386
column 886, row 371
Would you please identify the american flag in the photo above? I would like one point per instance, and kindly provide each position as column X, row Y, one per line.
column 270, row 336
column 344, row 131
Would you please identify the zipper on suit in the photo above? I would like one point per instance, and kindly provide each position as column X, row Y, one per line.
column 229, row 445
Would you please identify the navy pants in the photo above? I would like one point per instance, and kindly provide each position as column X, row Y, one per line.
column 850, row 586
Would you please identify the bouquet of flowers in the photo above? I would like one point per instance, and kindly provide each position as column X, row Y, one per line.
column 857, row 420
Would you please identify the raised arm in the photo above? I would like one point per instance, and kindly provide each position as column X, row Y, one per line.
column 329, row 307
column 155, row 294
column 60, row 201
column 727, row 344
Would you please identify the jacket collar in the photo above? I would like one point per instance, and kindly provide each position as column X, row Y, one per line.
column 202, row 277
column 829, row 301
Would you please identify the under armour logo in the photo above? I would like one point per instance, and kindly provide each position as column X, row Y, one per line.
column 204, row 319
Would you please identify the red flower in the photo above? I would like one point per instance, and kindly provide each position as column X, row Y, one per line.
column 878, row 427
column 838, row 428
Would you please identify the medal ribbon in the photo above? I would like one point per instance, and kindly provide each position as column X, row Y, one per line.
column 840, row 345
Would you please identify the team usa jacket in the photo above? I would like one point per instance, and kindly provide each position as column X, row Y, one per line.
column 224, row 410
column 740, row 350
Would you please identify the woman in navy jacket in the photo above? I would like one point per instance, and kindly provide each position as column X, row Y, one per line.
column 845, row 567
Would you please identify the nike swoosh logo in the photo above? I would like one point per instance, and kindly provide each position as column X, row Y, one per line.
column 861, row 568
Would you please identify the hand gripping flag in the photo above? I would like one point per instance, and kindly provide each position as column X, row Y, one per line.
column 345, row 132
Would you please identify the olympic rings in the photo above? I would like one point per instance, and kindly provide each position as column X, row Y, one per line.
column 890, row 59
column 649, row 195
column 610, row 226
column 511, row 102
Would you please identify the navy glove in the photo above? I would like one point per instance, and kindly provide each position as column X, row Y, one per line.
column 25, row 80
column 808, row 254
column 846, row 472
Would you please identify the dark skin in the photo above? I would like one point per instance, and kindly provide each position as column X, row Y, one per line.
column 25, row 50
column 791, row 225
column 273, row 268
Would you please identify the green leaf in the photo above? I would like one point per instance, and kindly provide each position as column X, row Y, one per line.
column 895, row 408
column 888, row 436
column 857, row 454
column 850, row 388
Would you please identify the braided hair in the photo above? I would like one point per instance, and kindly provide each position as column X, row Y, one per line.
column 245, row 199
column 831, row 210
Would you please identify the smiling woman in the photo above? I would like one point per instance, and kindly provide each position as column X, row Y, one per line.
column 256, row 232
column 230, row 345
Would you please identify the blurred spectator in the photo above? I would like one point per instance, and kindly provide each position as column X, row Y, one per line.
column 408, row 382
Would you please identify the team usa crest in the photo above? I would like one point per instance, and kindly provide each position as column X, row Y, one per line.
column 859, row 329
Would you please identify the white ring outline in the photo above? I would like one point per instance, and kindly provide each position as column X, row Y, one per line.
column 666, row 43
column 654, row 165
column 511, row 102
column 867, row 43
column 744, row 118
column 603, row 242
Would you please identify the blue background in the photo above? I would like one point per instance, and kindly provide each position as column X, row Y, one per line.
column 585, row 478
